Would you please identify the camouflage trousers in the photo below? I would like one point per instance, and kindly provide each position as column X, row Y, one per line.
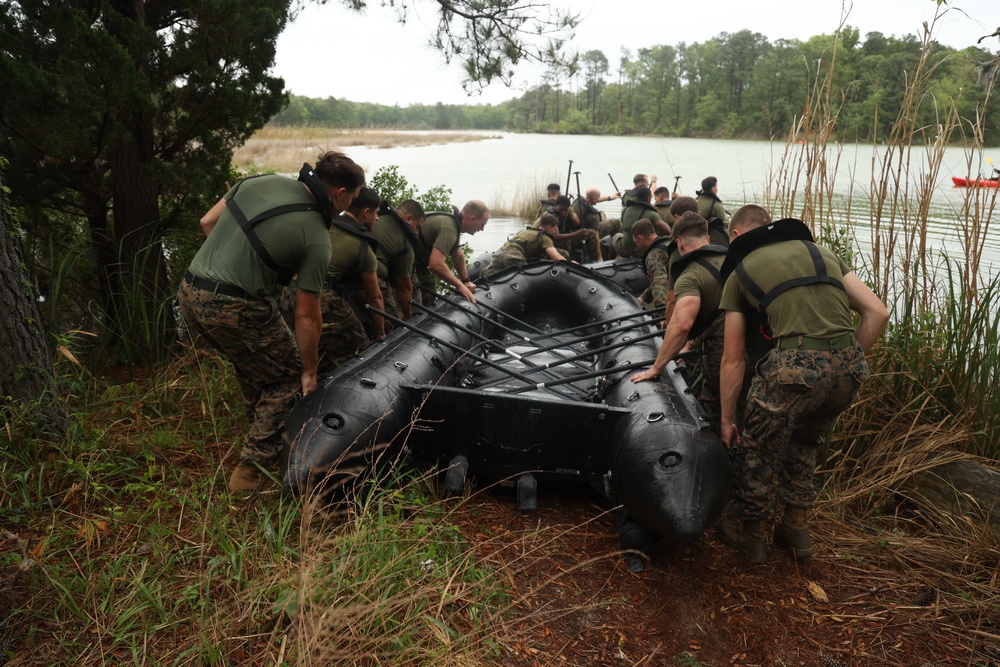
column 583, row 250
column 794, row 399
column 425, row 287
column 252, row 336
column 710, row 364
column 507, row 256
column 390, row 302
column 343, row 332
column 618, row 243
column 609, row 227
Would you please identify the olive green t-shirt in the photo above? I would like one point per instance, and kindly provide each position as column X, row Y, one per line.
column 816, row 310
column 347, row 259
column 633, row 214
column 395, row 254
column 696, row 280
column 440, row 231
column 297, row 240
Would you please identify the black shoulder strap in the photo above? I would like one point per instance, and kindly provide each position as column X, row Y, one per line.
column 353, row 228
column 821, row 276
column 318, row 190
column 699, row 257
column 284, row 273
column 786, row 229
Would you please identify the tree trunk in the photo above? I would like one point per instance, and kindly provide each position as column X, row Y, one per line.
column 26, row 373
column 135, row 276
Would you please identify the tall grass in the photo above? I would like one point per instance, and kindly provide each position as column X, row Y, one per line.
column 120, row 545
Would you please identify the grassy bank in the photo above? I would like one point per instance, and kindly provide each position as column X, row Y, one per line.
column 120, row 545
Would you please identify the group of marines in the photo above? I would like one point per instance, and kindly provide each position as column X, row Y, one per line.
column 769, row 310
column 350, row 266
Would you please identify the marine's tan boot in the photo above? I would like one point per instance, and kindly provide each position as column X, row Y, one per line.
column 247, row 478
column 748, row 537
column 792, row 534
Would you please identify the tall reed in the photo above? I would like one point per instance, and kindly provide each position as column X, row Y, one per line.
column 939, row 352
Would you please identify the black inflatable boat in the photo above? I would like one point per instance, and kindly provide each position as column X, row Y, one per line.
column 529, row 384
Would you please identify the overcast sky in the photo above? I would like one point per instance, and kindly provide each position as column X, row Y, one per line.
column 389, row 63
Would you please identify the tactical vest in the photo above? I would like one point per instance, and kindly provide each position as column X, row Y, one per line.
column 356, row 229
column 700, row 257
column 523, row 245
column 411, row 238
column 323, row 206
column 788, row 229
column 456, row 216
column 586, row 212
column 717, row 232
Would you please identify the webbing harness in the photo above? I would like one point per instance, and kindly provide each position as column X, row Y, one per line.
column 323, row 206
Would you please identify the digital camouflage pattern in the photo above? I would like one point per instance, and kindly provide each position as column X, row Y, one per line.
column 251, row 334
column 794, row 399
column 343, row 332
column 390, row 302
column 609, row 227
column 657, row 264
column 711, row 368
column 508, row 255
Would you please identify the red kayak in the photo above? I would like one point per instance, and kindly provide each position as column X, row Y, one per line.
column 969, row 182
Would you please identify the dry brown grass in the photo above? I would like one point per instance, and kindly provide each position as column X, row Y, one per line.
column 286, row 148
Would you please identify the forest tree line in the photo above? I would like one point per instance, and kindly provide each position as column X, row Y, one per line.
column 737, row 85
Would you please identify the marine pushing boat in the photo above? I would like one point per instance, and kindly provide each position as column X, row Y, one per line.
column 530, row 384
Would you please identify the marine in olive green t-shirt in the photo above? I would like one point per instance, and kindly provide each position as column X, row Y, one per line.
column 297, row 240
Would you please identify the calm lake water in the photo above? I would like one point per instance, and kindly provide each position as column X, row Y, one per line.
column 507, row 167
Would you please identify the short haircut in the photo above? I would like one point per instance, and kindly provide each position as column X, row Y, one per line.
column 750, row 216
column 553, row 187
column 639, row 178
column 642, row 227
column 337, row 170
column 411, row 207
column 708, row 183
column 563, row 200
column 662, row 190
column 690, row 226
column 682, row 205
column 476, row 208
column 367, row 198
column 643, row 194
column 548, row 220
